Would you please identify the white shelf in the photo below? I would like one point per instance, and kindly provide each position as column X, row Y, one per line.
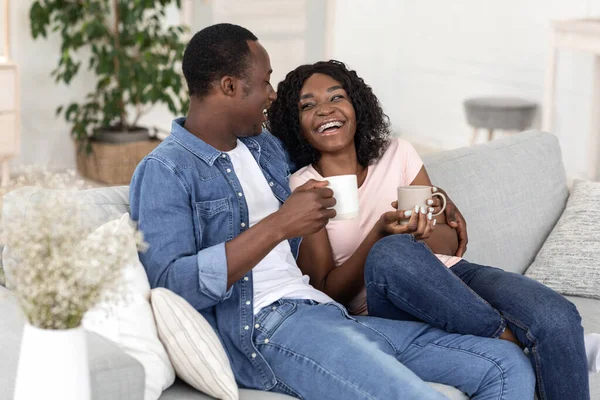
column 579, row 35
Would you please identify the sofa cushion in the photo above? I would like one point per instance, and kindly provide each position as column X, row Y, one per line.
column 511, row 192
column 181, row 391
column 569, row 261
column 98, row 205
column 114, row 375
column 131, row 323
column 193, row 346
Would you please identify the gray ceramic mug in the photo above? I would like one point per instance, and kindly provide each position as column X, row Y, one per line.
column 411, row 196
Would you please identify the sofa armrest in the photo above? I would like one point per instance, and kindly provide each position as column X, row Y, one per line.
column 114, row 375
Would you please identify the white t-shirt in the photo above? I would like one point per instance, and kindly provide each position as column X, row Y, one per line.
column 276, row 276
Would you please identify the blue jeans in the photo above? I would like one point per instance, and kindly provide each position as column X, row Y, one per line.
column 406, row 281
column 318, row 351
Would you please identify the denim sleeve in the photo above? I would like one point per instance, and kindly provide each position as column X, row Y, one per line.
column 160, row 203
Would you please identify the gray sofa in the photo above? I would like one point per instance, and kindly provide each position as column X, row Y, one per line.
column 511, row 191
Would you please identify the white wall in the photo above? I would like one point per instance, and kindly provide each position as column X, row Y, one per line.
column 45, row 139
column 423, row 58
column 2, row 27
column 292, row 31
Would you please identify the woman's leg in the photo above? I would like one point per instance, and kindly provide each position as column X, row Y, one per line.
column 544, row 321
column 404, row 280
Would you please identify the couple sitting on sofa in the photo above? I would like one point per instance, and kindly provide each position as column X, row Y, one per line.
column 214, row 203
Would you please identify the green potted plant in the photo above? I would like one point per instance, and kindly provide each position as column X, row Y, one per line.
column 136, row 60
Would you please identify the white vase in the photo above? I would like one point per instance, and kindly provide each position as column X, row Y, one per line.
column 53, row 364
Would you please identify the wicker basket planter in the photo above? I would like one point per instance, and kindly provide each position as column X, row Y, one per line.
column 113, row 163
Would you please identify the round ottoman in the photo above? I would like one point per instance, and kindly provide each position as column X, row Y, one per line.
column 502, row 113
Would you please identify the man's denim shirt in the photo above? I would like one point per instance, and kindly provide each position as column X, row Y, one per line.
column 188, row 202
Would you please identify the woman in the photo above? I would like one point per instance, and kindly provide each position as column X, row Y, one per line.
column 333, row 124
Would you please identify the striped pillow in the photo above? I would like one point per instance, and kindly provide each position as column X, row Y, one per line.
column 193, row 347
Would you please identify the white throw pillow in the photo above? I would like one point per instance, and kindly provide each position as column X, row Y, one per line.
column 193, row 346
column 131, row 325
column 569, row 261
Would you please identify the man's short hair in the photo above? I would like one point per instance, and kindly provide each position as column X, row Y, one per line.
column 214, row 52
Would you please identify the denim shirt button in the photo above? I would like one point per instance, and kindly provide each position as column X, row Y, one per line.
column 246, row 327
column 243, row 224
column 247, row 302
column 257, row 326
column 246, row 278
column 223, row 155
column 266, row 340
column 240, row 194
column 253, row 355
column 228, row 170
column 274, row 308
column 271, row 184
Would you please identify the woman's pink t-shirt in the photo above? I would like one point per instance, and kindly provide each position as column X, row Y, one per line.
column 399, row 166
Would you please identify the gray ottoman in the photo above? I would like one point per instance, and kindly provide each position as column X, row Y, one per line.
column 502, row 113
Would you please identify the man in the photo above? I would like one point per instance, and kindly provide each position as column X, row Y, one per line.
column 213, row 202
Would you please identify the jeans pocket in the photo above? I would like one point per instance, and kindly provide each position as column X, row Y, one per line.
column 270, row 319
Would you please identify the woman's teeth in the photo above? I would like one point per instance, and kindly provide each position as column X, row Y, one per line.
column 332, row 124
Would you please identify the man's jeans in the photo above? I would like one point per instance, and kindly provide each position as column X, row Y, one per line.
column 318, row 351
column 405, row 281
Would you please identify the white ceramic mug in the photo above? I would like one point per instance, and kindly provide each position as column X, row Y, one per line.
column 345, row 192
column 411, row 196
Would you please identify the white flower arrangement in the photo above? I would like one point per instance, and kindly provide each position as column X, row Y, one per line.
column 64, row 269
column 43, row 177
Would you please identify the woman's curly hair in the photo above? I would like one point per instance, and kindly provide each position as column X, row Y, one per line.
column 372, row 125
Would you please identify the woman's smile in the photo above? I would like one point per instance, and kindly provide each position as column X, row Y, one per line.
column 329, row 127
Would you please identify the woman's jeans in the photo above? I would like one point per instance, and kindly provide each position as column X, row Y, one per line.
column 318, row 351
column 406, row 281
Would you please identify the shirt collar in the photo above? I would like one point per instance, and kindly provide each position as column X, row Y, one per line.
column 191, row 142
column 199, row 147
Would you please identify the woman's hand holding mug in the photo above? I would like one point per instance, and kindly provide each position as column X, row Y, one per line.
column 418, row 221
